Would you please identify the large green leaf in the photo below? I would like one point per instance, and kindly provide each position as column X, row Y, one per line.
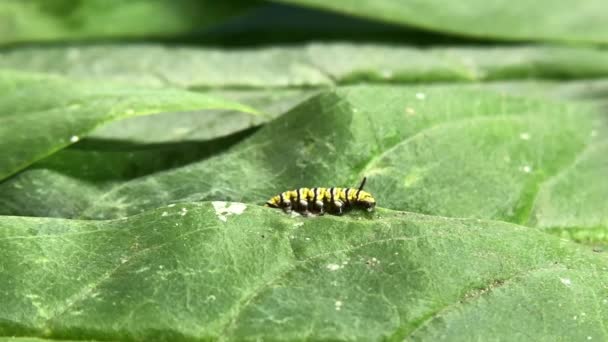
column 41, row 114
column 35, row 20
column 436, row 150
column 552, row 20
column 242, row 272
column 315, row 65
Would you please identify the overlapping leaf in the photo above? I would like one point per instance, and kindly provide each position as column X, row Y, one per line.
column 41, row 20
column 552, row 20
column 305, row 66
column 42, row 114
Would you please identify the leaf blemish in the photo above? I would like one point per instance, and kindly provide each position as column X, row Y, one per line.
column 372, row 262
column 386, row 73
column 334, row 267
column 566, row 281
column 338, row 305
column 224, row 209
column 143, row 269
column 524, row 136
column 475, row 293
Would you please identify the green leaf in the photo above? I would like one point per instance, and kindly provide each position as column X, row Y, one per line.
column 192, row 126
column 573, row 202
column 317, row 65
column 430, row 150
column 35, row 20
column 438, row 150
column 242, row 272
column 26, row 339
column 41, row 114
column 551, row 20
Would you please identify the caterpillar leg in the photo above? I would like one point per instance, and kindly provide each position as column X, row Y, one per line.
column 339, row 207
column 287, row 207
column 304, row 207
column 319, row 206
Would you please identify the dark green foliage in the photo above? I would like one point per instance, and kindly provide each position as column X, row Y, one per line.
column 133, row 172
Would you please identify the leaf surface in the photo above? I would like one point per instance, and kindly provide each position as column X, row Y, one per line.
column 312, row 65
column 551, row 20
column 42, row 20
column 446, row 151
column 242, row 272
column 41, row 114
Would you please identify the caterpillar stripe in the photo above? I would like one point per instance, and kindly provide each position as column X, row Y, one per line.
column 321, row 200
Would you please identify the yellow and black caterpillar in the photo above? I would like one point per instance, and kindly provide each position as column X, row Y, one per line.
column 321, row 200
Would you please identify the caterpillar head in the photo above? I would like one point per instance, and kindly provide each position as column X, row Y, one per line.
column 366, row 200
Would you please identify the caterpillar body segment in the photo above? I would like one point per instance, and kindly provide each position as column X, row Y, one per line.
column 320, row 200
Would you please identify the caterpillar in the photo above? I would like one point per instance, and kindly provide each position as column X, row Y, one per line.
column 321, row 200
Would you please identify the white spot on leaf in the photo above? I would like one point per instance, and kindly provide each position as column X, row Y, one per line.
column 224, row 209
column 74, row 138
column 524, row 136
column 526, row 168
column 386, row 73
column 143, row 269
column 333, row 267
column 164, row 213
column 420, row 96
column 338, row 305
column 372, row 262
column 566, row 281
